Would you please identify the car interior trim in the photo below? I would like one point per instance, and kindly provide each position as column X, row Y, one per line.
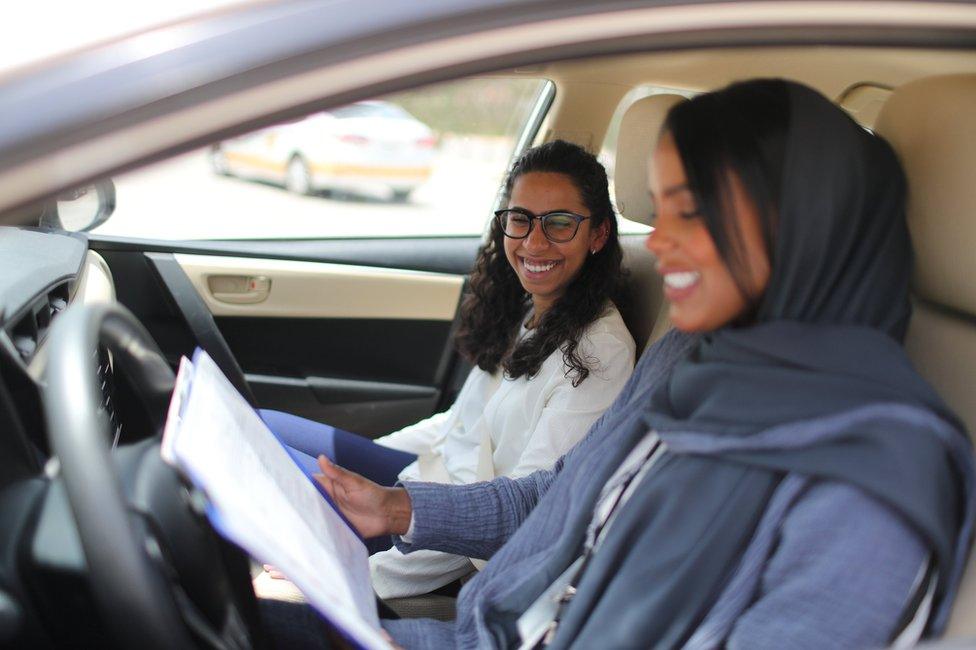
column 94, row 284
column 322, row 290
column 369, row 408
column 32, row 261
column 450, row 254
column 863, row 102
column 533, row 126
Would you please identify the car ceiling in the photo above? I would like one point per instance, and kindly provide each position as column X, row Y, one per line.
column 829, row 69
column 177, row 98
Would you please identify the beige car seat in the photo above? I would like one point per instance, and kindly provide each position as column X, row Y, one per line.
column 931, row 123
column 643, row 310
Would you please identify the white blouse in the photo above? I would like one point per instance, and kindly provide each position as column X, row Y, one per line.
column 503, row 427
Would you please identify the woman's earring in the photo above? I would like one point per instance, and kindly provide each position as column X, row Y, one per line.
column 592, row 251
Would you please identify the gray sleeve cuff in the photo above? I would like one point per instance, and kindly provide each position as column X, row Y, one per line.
column 407, row 537
column 470, row 520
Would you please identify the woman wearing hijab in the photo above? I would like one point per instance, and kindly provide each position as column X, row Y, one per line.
column 775, row 474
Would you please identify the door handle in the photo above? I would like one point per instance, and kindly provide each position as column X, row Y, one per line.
column 239, row 289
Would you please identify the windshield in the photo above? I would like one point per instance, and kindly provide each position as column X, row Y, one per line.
column 420, row 163
column 371, row 109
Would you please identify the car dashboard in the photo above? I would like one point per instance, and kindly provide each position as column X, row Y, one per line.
column 42, row 273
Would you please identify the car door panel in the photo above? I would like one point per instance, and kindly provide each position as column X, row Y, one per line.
column 247, row 287
column 343, row 367
column 366, row 347
column 364, row 406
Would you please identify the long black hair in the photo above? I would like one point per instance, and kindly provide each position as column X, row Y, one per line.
column 742, row 129
column 496, row 303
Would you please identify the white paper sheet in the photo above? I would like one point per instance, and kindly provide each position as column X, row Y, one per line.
column 264, row 503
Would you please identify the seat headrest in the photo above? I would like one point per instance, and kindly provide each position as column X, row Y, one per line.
column 639, row 129
column 932, row 126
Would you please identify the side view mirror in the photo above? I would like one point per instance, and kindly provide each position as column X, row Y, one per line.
column 82, row 209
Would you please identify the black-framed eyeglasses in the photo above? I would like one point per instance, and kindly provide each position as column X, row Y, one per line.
column 559, row 227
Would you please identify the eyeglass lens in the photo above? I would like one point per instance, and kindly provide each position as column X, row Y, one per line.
column 557, row 226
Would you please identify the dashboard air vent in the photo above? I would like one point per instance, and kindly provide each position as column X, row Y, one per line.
column 32, row 326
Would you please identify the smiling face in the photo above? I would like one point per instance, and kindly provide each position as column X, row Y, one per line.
column 544, row 268
column 698, row 285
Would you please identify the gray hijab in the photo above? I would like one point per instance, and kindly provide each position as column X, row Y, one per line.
column 824, row 344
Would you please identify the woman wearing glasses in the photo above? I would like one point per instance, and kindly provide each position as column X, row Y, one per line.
column 550, row 352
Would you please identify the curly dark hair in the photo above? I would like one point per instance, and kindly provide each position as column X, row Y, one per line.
column 496, row 303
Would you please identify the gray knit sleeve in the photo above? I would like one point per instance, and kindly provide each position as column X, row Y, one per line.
column 841, row 576
column 421, row 633
column 473, row 520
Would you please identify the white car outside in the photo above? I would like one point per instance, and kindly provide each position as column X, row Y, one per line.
column 372, row 148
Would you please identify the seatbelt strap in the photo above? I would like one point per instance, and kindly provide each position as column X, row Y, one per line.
column 916, row 615
column 199, row 319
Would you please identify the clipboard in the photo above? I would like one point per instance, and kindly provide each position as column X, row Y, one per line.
column 260, row 500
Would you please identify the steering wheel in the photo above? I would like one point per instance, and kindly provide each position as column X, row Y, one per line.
column 157, row 570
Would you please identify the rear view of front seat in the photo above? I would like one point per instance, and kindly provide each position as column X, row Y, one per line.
column 931, row 123
column 643, row 309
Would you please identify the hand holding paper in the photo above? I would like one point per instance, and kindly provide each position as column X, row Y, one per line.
column 373, row 509
column 260, row 500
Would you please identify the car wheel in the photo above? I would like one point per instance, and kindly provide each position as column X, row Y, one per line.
column 218, row 162
column 401, row 196
column 298, row 178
